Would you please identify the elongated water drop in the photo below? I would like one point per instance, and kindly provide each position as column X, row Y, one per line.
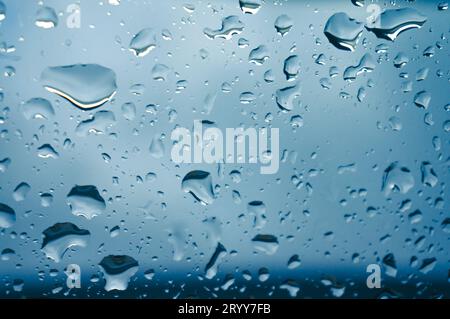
column 86, row 86
column 391, row 22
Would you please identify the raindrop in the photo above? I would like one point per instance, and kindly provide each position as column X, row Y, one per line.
column 250, row 6
column 391, row 22
column 366, row 64
column 283, row 24
column 7, row 216
column 199, row 185
column 61, row 237
column 37, row 108
column 143, row 42
column 118, row 270
column 397, row 179
column 231, row 25
column 85, row 201
column 46, row 18
column 85, row 85
column 342, row 31
column 21, row 191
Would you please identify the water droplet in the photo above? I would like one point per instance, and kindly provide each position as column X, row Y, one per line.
column 4, row 163
column 46, row 18
column 257, row 209
column 61, row 237
column 400, row 60
column 397, row 179
column 292, row 286
column 231, row 25
column 358, row 3
column 422, row 99
column 143, row 42
column 7, row 254
column 46, row 199
column 342, row 31
column 47, row 151
column 99, row 123
column 266, row 243
column 263, row 274
column 395, row 123
column 443, row 6
column 429, row 177
column 291, row 67
column 283, row 24
column 2, row 11
column 118, row 270
column 199, row 185
column 85, row 201
column 160, row 72
column 285, row 97
column 366, row 64
column 129, row 111
column 250, row 6
column 7, row 216
column 37, row 108
column 114, row 232
column 390, row 265
column 259, row 55
column 86, row 86
column 21, row 191
column 391, row 22
column 428, row 265
column 294, row 262
column 212, row 265
column 157, row 148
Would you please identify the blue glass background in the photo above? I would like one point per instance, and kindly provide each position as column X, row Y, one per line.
column 336, row 132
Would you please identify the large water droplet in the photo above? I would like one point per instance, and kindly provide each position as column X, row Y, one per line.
column 429, row 177
column 257, row 209
column 342, row 31
column 285, row 97
column 250, row 6
column 47, row 151
column 231, row 25
column 143, row 42
column 259, row 55
column 397, row 179
column 391, row 22
column 212, row 265
column 85, row 201
column 366, row 64
column 291, row 67
column 46, row 18
column 117, row 270
column 85, row 85
column 283, row 24
column 7, row 216
column 2, row 11
column 390, row 265
column 61, row 237
column 99, row 123
column 21, row 191
column 266, row 243
column 37, row 108
column 422, row 99
column 157, row 148
column 199, row 185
